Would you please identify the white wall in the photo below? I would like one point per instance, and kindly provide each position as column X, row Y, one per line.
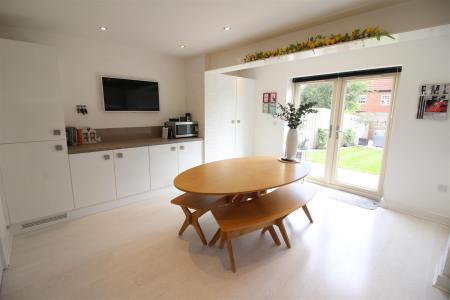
column 406, row 16
column 82, row 62
column 419, row 155
column 195, row 89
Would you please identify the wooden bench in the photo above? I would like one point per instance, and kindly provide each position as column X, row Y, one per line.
column 199, row 204
column 239, row 218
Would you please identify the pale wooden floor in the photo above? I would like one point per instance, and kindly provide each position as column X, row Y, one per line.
column 134, row 253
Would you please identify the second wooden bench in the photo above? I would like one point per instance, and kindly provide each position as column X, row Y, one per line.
column 239, row 218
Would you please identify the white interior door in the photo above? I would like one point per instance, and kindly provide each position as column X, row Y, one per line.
column 245, row 111
column 220, row 116
column 31, row 107
column 132, row 171
column 5, row 235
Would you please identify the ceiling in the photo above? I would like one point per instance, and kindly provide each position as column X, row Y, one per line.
column 164, row 25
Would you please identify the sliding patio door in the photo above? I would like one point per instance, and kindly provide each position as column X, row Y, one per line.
column 346, row 141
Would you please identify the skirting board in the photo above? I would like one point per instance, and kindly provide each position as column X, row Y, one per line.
column 86, row 211
column 416, row 212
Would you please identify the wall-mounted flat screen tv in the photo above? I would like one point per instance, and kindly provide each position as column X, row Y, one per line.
column 130, row 95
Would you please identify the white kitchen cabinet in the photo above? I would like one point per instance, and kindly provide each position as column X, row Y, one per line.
column 31, row 108
column 132, row 171
column 190, row 155
column 93, row 178
column 229, row 116
column 36, row 179
column 163, row 165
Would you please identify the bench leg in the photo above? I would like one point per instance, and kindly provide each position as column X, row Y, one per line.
column 216, row 236
column 230, row 253
column 280, row 225
column 184, row 226
column 199, row 231
column 305, row 209
column 192, row 219
column 274, row 235
column 187, row 221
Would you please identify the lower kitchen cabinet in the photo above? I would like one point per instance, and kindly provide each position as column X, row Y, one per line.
column 93, row 178
column 132, row 171
column 190, row 155
column 163, row 165
column 36, row 179
column 103, row 176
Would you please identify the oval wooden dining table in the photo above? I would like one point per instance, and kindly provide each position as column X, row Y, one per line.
column 240, row 176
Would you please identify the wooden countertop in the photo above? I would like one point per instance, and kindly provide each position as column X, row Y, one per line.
column 122, row 144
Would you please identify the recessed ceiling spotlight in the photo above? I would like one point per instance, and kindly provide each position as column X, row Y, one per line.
column 103, row 28
column 182, row 46
column 227, row 28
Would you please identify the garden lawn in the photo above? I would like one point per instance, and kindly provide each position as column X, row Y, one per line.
column 360, row 159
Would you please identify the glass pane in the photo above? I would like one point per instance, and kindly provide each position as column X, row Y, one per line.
column 363, row 131
column 313, row 135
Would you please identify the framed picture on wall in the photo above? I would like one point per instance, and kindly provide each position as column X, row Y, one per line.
column 273, row 98
column 272, row 108
column 433, row 101
column 266, row 97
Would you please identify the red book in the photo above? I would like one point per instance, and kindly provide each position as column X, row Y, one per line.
column 79, row 137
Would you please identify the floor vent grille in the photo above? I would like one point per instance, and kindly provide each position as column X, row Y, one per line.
column 43, row 221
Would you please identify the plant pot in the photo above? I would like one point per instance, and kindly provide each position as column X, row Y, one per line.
column 291, row 144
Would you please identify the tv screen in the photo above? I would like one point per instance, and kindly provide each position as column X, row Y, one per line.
column 130, row 95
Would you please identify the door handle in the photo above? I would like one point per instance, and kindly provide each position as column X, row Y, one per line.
column 119, row 155
column 330, row 129
column 173, row 148
column 106, row 156
column 59, row 147
column 56, row 132
column 181, row 147
column 338, row 131
column 232, row 121
column 238, row 121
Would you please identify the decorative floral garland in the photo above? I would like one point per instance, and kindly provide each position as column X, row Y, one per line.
column 319, row 41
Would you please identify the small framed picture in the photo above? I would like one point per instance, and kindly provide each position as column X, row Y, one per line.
column 272, row 108
column 266, row 108
column 433, row 101
column 273, row 98
column 266, row 97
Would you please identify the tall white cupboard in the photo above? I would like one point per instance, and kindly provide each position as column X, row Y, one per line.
column 229, row 116
column 33, row 152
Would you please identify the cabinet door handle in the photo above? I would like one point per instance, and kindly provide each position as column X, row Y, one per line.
column 106, row 156
column 56, row 132
column 181, row 147
column 232, row 121
column 173, row 148
column 119, row 155
column 59, row 147
column 238, row 121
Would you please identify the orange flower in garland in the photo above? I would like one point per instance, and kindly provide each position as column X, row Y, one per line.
column 319, row 41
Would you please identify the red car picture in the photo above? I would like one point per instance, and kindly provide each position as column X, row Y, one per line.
column 437, row 106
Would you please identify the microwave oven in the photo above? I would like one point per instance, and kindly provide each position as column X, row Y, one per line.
column 182, row 129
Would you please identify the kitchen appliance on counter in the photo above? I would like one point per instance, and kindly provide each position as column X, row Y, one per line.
column 179, row 129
